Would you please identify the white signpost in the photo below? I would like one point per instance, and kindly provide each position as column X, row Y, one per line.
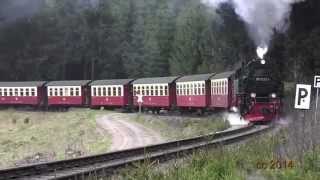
column 316, row 85
column 303, row 95
column 140, row 101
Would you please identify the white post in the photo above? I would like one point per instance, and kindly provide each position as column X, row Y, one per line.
column 316, row 111
column 140, row 101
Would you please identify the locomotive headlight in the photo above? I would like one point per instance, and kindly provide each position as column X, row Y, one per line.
column 234, row 109
column 273, row 95
column 263, row 62
column 253, row 95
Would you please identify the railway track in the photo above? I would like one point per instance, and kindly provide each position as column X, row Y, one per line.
column 105, row 164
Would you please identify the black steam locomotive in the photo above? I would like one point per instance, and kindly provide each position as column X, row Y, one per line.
column 259, row 91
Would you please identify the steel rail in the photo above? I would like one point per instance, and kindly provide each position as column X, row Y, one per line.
column 104, row 164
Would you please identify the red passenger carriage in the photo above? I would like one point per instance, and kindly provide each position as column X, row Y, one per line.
column 22, row 93
column 111, row 93
column 193, row 92
column 68, row 93
column 222, row 90
column 157, row 93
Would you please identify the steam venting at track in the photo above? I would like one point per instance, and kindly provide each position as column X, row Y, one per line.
column 235, row 119
column 262, row 18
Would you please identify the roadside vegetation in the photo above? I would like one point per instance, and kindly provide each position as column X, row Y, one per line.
column 259, row 159
column 178, row 127
column 30, row 137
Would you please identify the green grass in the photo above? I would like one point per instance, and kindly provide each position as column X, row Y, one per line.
column 49, row 135
column 172, row 127
column 238, row 162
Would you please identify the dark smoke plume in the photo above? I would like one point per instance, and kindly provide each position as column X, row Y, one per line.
column 262, row 17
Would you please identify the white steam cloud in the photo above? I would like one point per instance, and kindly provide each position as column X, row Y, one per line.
column 235, row 119
column 261, row 51
column 262, row 17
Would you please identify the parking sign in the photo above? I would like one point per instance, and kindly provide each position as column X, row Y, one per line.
column 317, row 81
column 303, row 95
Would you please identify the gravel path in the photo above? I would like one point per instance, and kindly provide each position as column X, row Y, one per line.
column 127, row 134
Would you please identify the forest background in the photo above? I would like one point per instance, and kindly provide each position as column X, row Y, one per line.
column 106, row 39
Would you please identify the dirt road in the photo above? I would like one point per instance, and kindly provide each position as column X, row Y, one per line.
column 125, row 133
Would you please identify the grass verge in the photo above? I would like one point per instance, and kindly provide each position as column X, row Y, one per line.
column 30, row 137
column 255, row 160
column 177, row 127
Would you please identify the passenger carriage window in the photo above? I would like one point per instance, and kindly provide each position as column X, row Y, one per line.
column 177, row 89
column 77, row 91
column 109, row 91
column 156, row 93
column 147, row 90
column 114, row 91
column 10, row 92
column 134, row 90
column 55, row 92
column 223, row 88
column 60, row 92
column 166, row 93
column 33, row 92
column 151, row 91
column 183, row 89
column 142, row 91
column 16, row 93
column 27, row 92
column 161, row 91
column 218, row 87
column 227, row 87
column 99, row 91
column 21, row 92
column 104, row 91
column 72, row 92
column 66, row 92
column 94, row 91
column 5, row 92
column 203, row 89
column 195, row 89
column 119, row 91
column 187, row 89
column 138, row 91
column 1, row 92
column 199, row 88
column 214, row 88
column 50, row 92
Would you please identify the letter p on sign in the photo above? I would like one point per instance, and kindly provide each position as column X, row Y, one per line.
column 303, row 95
column 317, row 81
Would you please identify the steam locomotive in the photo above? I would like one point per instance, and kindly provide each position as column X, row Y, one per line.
column 260, row 91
